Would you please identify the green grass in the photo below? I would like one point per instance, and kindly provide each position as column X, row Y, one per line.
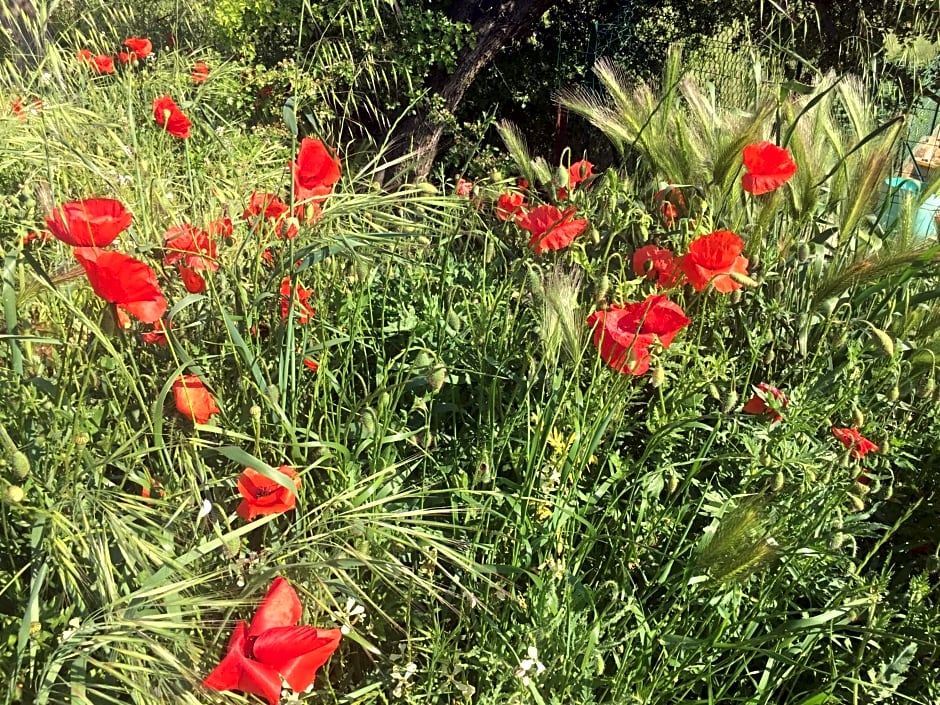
column 472, row 474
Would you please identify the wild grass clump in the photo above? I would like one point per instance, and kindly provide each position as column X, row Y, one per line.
column 721, row 490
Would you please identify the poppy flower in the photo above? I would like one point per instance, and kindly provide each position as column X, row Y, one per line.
column 315, row 171
column 192, row 280
column 672, row 205
column 623, row 334
column 581, row 170
column 220, row 227
column 522, row 183
column 464, row 188
column 191, row 246
column 262, row 495
column 272, row 210
column 768, row 167
column 858, row 445
column 126, row 57
column 29, row 237
column 157, row 336
column 102, row 63
column 302, row 310
column 193, row 400
column 86, row 57
column 93, row 222
column 712, row 259
column 656, row 263
column 120, row 279
column 551, row 228
column 170, row 117
column 200, row 72
column 271, row 648
column 509, row 204
column 141, row 47
column 767, row 400
column 311, row 364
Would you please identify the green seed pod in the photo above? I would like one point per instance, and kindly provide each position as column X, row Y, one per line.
column 14, row 495
column 713, row 390
column 254, row 411
column 20, row 465
column 778, row 481
column 437, row 378
column 730, row 402
column 81, row 439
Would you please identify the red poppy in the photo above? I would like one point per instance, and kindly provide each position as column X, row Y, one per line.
column 509, row 205
column 273, row 210
column 193, row 400
column 126, row 57
column 17, row 108
column 858, row 445
column 581, row 170
column 120, row 279
column 522, row 183
column 767, row 400
column 712, row 259
column 768, row 168
column 93, row 222
column 170, row 117
column 102, row 63
column 86, row 57
column 157, row 336
column 464, row 188
column 311, row 364
column 623, row 334
column 302, row 310
column 191, row 246
column 656, row 263
column 192, row 280
column 200, row 72
column 551, row 228
column 220, row 227
column 141, row 47
column 272, row 648
column 29, row 237
column 672, row 205
column 315, row 171
column 263, row 495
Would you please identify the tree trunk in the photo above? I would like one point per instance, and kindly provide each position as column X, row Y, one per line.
column 495, row 24
column 20, row 22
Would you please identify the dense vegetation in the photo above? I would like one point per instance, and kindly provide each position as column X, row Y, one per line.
column 658, row 427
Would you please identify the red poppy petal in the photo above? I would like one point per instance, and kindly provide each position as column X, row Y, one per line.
column 280, row 608
column 296, row 652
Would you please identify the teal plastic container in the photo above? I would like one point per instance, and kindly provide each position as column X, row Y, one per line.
column 902, row 188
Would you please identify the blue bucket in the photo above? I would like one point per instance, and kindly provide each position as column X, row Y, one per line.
column 901, row 189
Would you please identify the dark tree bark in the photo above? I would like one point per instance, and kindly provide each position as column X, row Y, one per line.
column 495, row 24
column 19, row 21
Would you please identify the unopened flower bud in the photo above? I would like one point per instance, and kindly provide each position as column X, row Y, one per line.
column 659, row 376
column 437, row 378
column 730, row 402
column 14, row 494
column 20, row 464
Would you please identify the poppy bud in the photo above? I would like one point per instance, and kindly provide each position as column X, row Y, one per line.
column 857, row 502
column 535, row 283
column 894, row 393
column 367, row 419
column 595, row 235
column 426, row 187
column 422, row 361
column 231, row 546
column 453, row 320
column 769, row 356
column 730, row 402
column 713, row 390
column 778, row 481
column 14, row 494
column 885, row 447
column 926, row 390
column 273, row 393
column 673, row 483
column 254, row 411
column 437, row 378
column 603, row 286
column 884, row 340
column 659, row 376
column 858, row 418
column 20, row 464
column 744, row 280
column 835, row 543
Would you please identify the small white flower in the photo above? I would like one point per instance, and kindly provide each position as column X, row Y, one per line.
column 206, row 509
column 169, row 196
column 527, row 664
